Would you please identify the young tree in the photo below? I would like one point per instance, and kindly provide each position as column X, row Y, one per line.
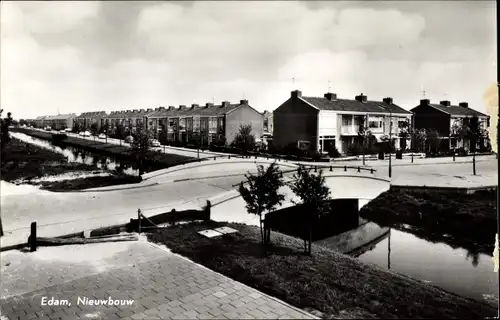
column 120, row 132
column 4, row 140
column 313, row 192
column 262, row 194
column 432, row 140
column 94, row 129
column 141, row 144
column 364, row 134
column 76, row 127
column 418, row 137
column 244, row 139
column 473, row 132
column 404, row 133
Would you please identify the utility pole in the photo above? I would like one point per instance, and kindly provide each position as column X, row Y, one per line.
column 390, row 143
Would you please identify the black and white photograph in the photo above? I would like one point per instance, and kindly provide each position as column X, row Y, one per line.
column 249, row 160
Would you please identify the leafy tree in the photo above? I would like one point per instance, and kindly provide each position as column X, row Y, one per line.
column 23, row 122
column 418, row 137
column 364, row 134
column 120, row 132
column 244, row 139
column 404, row 133
column 313, row 193
column 262, row 194
column 4, row 141
column 94, row 129
column 473, row 132
column 432, row 140
column 76, row 126
column 141, row 145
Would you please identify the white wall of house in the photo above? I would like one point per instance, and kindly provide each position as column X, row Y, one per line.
column 327, row 121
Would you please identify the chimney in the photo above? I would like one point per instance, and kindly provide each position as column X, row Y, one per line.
column 149, row 109
column 182, row 107
column 296, row 94
column 161, row 108
column 425, row 102
column 445, row 103
column 225, row 103
column 387, row 100
column 331, row 96
column 463, row 104
column 171, row 108
column 361, row 98
column 244, row 101
column 209, row 104
column 194, row 105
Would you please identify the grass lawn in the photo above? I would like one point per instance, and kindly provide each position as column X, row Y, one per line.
column 334, row 284
column 162, row 160
column 470, row 220
column 26, row 161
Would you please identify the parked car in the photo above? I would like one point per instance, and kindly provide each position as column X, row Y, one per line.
column 81, row 133
column 155, row 143
column 67, row 130
column 102, row 136
column 129, row 139
column 48, row 128
column 86, row 134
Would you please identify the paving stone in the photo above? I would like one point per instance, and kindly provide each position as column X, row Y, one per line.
column 162, row 285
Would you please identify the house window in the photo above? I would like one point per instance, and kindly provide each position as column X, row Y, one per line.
column 196, row 124
column 375, row 124
column 182, row 124
column 402, row 124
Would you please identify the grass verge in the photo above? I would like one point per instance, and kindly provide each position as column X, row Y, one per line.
column 24, row 161
column 334, row 284
column 469, row 220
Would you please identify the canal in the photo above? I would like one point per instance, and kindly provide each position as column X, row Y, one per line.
column 73, row 154
column 453, row 269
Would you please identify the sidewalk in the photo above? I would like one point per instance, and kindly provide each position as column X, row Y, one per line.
column 161, row 285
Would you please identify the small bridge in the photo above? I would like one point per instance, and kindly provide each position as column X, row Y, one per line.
column 344, row 183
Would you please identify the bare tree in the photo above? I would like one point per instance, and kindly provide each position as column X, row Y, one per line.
column 244, row 139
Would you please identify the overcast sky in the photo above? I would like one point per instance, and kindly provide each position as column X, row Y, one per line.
column 90, row 56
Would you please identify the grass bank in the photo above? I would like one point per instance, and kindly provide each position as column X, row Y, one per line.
column 162, row 160
column 26, row 162
column 331, row 283
column 468, row 221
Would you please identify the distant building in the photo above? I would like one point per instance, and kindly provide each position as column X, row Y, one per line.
column 38, row 121
column 129, row 119
column 322, row 123
column 444, row 117
column 59, row 122
column 209, row 123
column 86, row 119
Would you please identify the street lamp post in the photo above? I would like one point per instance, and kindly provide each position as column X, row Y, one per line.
column 390, row 143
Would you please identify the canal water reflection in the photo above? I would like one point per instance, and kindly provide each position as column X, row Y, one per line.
column 455, row 270
column 82, row 156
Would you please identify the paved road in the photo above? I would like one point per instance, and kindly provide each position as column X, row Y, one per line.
column 89, row 210
column 161, row 285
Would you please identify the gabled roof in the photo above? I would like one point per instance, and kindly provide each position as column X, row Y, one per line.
column 60, row 117
column 203, row 111
column 91, row 114
column 345, row 105
column 457, row 110
column 128, row 114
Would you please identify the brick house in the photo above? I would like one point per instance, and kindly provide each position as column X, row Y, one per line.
column 321, row 123
column 129, row 119
column 211, row 123
column 60, row 121
column 86, row 119
column 444, row 117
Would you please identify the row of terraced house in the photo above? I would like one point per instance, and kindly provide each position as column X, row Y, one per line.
column 318, row 123
column 207, row 123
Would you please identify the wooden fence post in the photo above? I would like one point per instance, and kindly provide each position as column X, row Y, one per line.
column 32, row 238
column 139, row 219
column 208, row 210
